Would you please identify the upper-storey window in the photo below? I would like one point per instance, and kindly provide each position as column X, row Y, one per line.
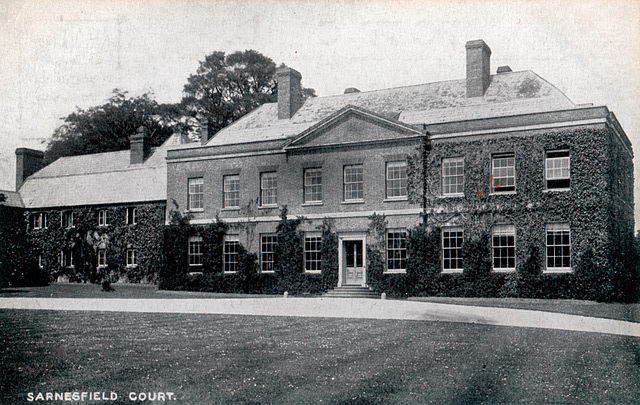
column 231, row 191
column 397, row 180
column 353, row 188
column 39, row 220
column 268, row 188
column 196, row 193
column 557, row 169
column 67, row 219
column 453, row 176
column 103, row 218
column 503, row 172
column 132, row 216
column 312, row 185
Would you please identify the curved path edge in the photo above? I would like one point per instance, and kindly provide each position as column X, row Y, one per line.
column 337, row 308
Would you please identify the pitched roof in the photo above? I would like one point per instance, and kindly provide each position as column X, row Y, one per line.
column 12, row 199
column 509, row 93
column 101, row 178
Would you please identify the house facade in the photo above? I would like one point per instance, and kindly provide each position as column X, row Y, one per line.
column 98, row 215
column 505, row 157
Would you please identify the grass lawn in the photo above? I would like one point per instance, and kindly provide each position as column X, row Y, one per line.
column 212, row 359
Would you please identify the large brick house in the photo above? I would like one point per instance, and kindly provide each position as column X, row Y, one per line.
column 504, row 155
column 92, row 215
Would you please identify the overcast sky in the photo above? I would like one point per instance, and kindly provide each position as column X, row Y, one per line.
column 57, row 55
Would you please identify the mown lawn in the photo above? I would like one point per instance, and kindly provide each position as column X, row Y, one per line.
column 212, row 359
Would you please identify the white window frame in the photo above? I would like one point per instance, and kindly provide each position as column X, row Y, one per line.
column 312, row 257
column 230, row 253
column 498, row 232
column 132, row 259
column 554, row 230
column 194, row 251
column 103, row 217
column 554, row 168
column 269, row 189
column 231, row 191
column 396, row 187
column 350, row 186
column 452, row 255
column 312, row 190
column 102, row 257
column 131, row 217
column 267, row 256
column 451, row 178
column 39, row 220
column 63, row 258
column 195, row 194
column 390, row 249
column 503, row 173
column 66, row 219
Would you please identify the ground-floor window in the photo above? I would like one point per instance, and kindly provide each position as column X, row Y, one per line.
column 558, row 248
column 267, row 248
column 66, row 258
column 312, row 253
column 452, row 237
column 504, row 247
column 195, row 251
column 396, row 251
column 132, row 260
column 102, row 257
column 231, row 245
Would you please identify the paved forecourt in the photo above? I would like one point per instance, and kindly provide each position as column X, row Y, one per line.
column 337, row 308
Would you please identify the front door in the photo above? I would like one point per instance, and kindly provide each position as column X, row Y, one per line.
column 354, row 262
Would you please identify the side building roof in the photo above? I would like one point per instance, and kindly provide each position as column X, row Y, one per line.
column 11, row 199
column 99, row 179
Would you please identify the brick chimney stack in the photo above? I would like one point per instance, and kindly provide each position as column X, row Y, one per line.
column 28, row 161
column 289, row 92
column 204, row 131
column 139, row 146
column 478, row 68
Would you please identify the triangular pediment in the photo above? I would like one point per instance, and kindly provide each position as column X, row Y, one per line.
column 352, row 125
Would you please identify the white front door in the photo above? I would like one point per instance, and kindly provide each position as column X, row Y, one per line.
column 354, row 265
column 352, row 260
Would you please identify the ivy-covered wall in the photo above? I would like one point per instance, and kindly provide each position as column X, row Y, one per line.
column 18, row 266
column 598, row 208
column 288, row 274
column 86, row 237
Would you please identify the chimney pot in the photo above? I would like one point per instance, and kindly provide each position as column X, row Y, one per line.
column 478, row 68
column 139, row 146
column 204, row 132
column 28, row 161
column 289, row 92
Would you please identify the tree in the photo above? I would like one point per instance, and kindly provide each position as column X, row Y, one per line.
column 226, row 87
column 107, row 127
